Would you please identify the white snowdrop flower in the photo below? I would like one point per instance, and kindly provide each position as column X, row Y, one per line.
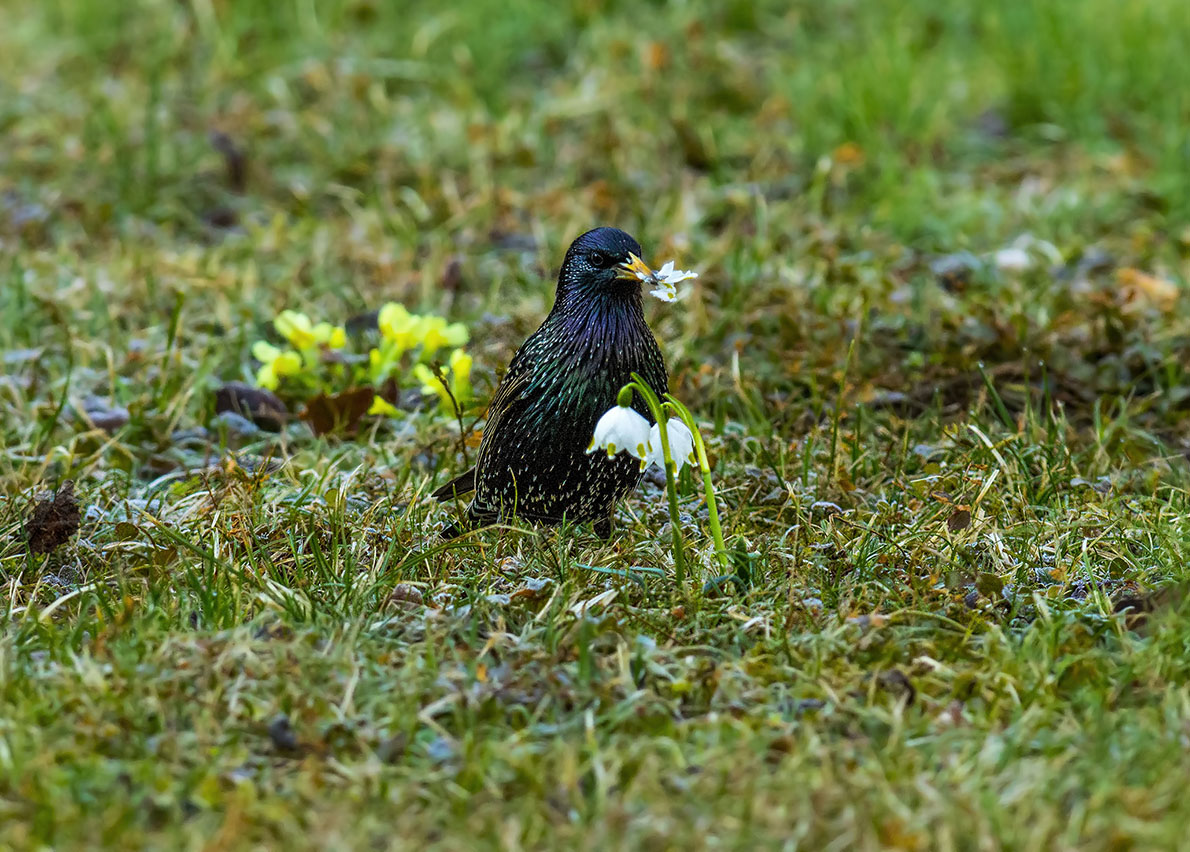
column 681, row 444
column 621, row 429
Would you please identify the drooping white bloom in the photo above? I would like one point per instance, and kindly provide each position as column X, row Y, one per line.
column 681, row 444
column 621, row 429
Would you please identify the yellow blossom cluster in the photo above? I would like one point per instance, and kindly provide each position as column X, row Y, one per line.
column 309, row 340
column 421, row 336
column 402, row 332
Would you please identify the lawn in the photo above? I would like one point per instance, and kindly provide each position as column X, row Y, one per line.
column 939, row 350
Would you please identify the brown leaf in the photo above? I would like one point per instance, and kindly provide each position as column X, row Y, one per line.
column 959, row 520
column 534, row 589
column 406, row 596
column 261, row 406
column 340, row 412
column 125, row 531
column 54, row 520
column 108, row 418
column 848, row 154
column 390, row 392
column 989, row 584
column 1139, row 290
column 824, row 508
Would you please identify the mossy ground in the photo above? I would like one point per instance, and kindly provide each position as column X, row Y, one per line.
column 941, row 472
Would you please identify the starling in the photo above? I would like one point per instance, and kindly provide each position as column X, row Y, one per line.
column 532, row 462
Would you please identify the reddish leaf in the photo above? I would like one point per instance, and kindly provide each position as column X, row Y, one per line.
column 339, row 412
column 959, row 520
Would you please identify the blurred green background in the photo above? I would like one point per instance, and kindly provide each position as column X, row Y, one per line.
column 337, row 101
column 938, row 345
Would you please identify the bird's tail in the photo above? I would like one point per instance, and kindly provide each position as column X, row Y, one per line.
column 460, row 486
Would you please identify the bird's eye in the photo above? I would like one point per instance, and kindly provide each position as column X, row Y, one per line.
column 599, row 260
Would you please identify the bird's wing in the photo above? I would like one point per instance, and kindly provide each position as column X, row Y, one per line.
column 506, row 394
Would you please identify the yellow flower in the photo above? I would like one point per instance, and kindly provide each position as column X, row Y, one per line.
column 458, row 376
column 383, row 407
column 436, row 334
column 298, row 330
column 295, row 327
column 398, row 326
column 384, row 361
column 274, row 364
column 336, row 335
column 429, row 382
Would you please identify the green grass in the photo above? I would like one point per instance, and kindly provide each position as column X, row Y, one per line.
column 217, row 660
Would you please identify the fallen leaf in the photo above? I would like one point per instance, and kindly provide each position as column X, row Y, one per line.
column 989, row 584
column 257, row 405
column 340, row 412
column 54, row 520
column 825, row 507
column 959, row 520
column 1140, row 290
column 848, row 154
column 107, row 418
column 406, row 596
column 533, row 589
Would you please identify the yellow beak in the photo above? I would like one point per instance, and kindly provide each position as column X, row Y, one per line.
column 634, row 269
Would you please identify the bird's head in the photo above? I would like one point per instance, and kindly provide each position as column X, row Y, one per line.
column 602, row 263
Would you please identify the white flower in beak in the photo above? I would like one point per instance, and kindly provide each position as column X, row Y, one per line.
column 681, row 444
column 664, row 280
column 667, row 279
column 622, row 429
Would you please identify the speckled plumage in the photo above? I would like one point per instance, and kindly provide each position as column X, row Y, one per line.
column 532, row 462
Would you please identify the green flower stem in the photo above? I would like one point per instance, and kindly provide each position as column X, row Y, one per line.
column 708, row 486
column 671, row 481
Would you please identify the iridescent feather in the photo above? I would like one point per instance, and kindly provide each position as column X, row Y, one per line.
column 532, row 462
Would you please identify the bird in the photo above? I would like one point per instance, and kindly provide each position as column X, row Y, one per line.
column 533, row 463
